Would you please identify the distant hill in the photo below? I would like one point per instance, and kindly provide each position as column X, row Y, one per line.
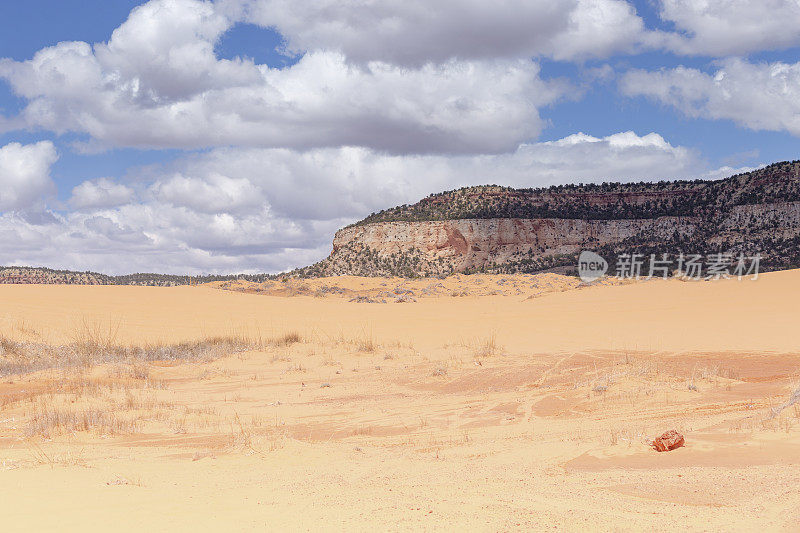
column 40, row 275
column 501, row 229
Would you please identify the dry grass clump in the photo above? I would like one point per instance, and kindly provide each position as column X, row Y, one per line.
column 92, row 345
column 366, row 345
column 487, row 347
column 22, row 357
column 26, row 357
column 47, row 421
column 363, row 342
column 68, row 458
column 287, row 339
column 102, row 404
column 136, row 370
column 122, row 397
column 93, row 337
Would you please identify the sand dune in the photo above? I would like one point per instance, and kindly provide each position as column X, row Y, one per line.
column 490, row 402
column 656, row 315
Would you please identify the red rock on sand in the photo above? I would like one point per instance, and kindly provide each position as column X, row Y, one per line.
column 668, row 441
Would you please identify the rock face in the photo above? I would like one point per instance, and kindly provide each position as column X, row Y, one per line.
column 668, row 441
column 471, row 244
column 498, row 229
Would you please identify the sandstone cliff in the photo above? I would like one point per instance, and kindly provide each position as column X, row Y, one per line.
column 498, row 229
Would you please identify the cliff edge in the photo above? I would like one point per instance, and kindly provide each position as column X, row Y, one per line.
column 500, row 229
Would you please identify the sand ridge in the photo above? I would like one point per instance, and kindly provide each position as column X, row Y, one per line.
column 402, row 290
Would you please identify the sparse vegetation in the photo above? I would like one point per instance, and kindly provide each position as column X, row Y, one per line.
column 288, row 339
column 487, row 347
column 27, row 275
column 93, row 345
column 604, row 201
column 46, row 421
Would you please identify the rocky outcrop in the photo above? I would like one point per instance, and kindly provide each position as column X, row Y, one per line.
column 471, row 244
column 498, row 229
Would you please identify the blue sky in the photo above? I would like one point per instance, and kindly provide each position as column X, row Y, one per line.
column 238, row 135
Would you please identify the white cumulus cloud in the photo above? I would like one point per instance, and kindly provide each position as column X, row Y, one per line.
column 759, row 96
column 415, row 32
column 157, row 84
column 731, row 27
column 100, row 193
column 214, row 193
column 25, row 174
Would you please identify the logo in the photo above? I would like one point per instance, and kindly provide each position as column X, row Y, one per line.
column 591, row 266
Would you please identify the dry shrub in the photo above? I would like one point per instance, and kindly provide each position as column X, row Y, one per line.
column 287, row 339
column 364, row 342
column 23, row 357
column 90, row 339
column 240, row 436
column 136, row 370
column 366, row 345
column 46, row 421
column 91, row 349
column 69, row 458
column 487, row 347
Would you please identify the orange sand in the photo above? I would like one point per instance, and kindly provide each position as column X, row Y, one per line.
column 529, row 408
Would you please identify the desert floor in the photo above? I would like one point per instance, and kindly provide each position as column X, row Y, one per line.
column 474, row 402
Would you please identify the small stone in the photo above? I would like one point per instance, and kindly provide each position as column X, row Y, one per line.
column 668, row 441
